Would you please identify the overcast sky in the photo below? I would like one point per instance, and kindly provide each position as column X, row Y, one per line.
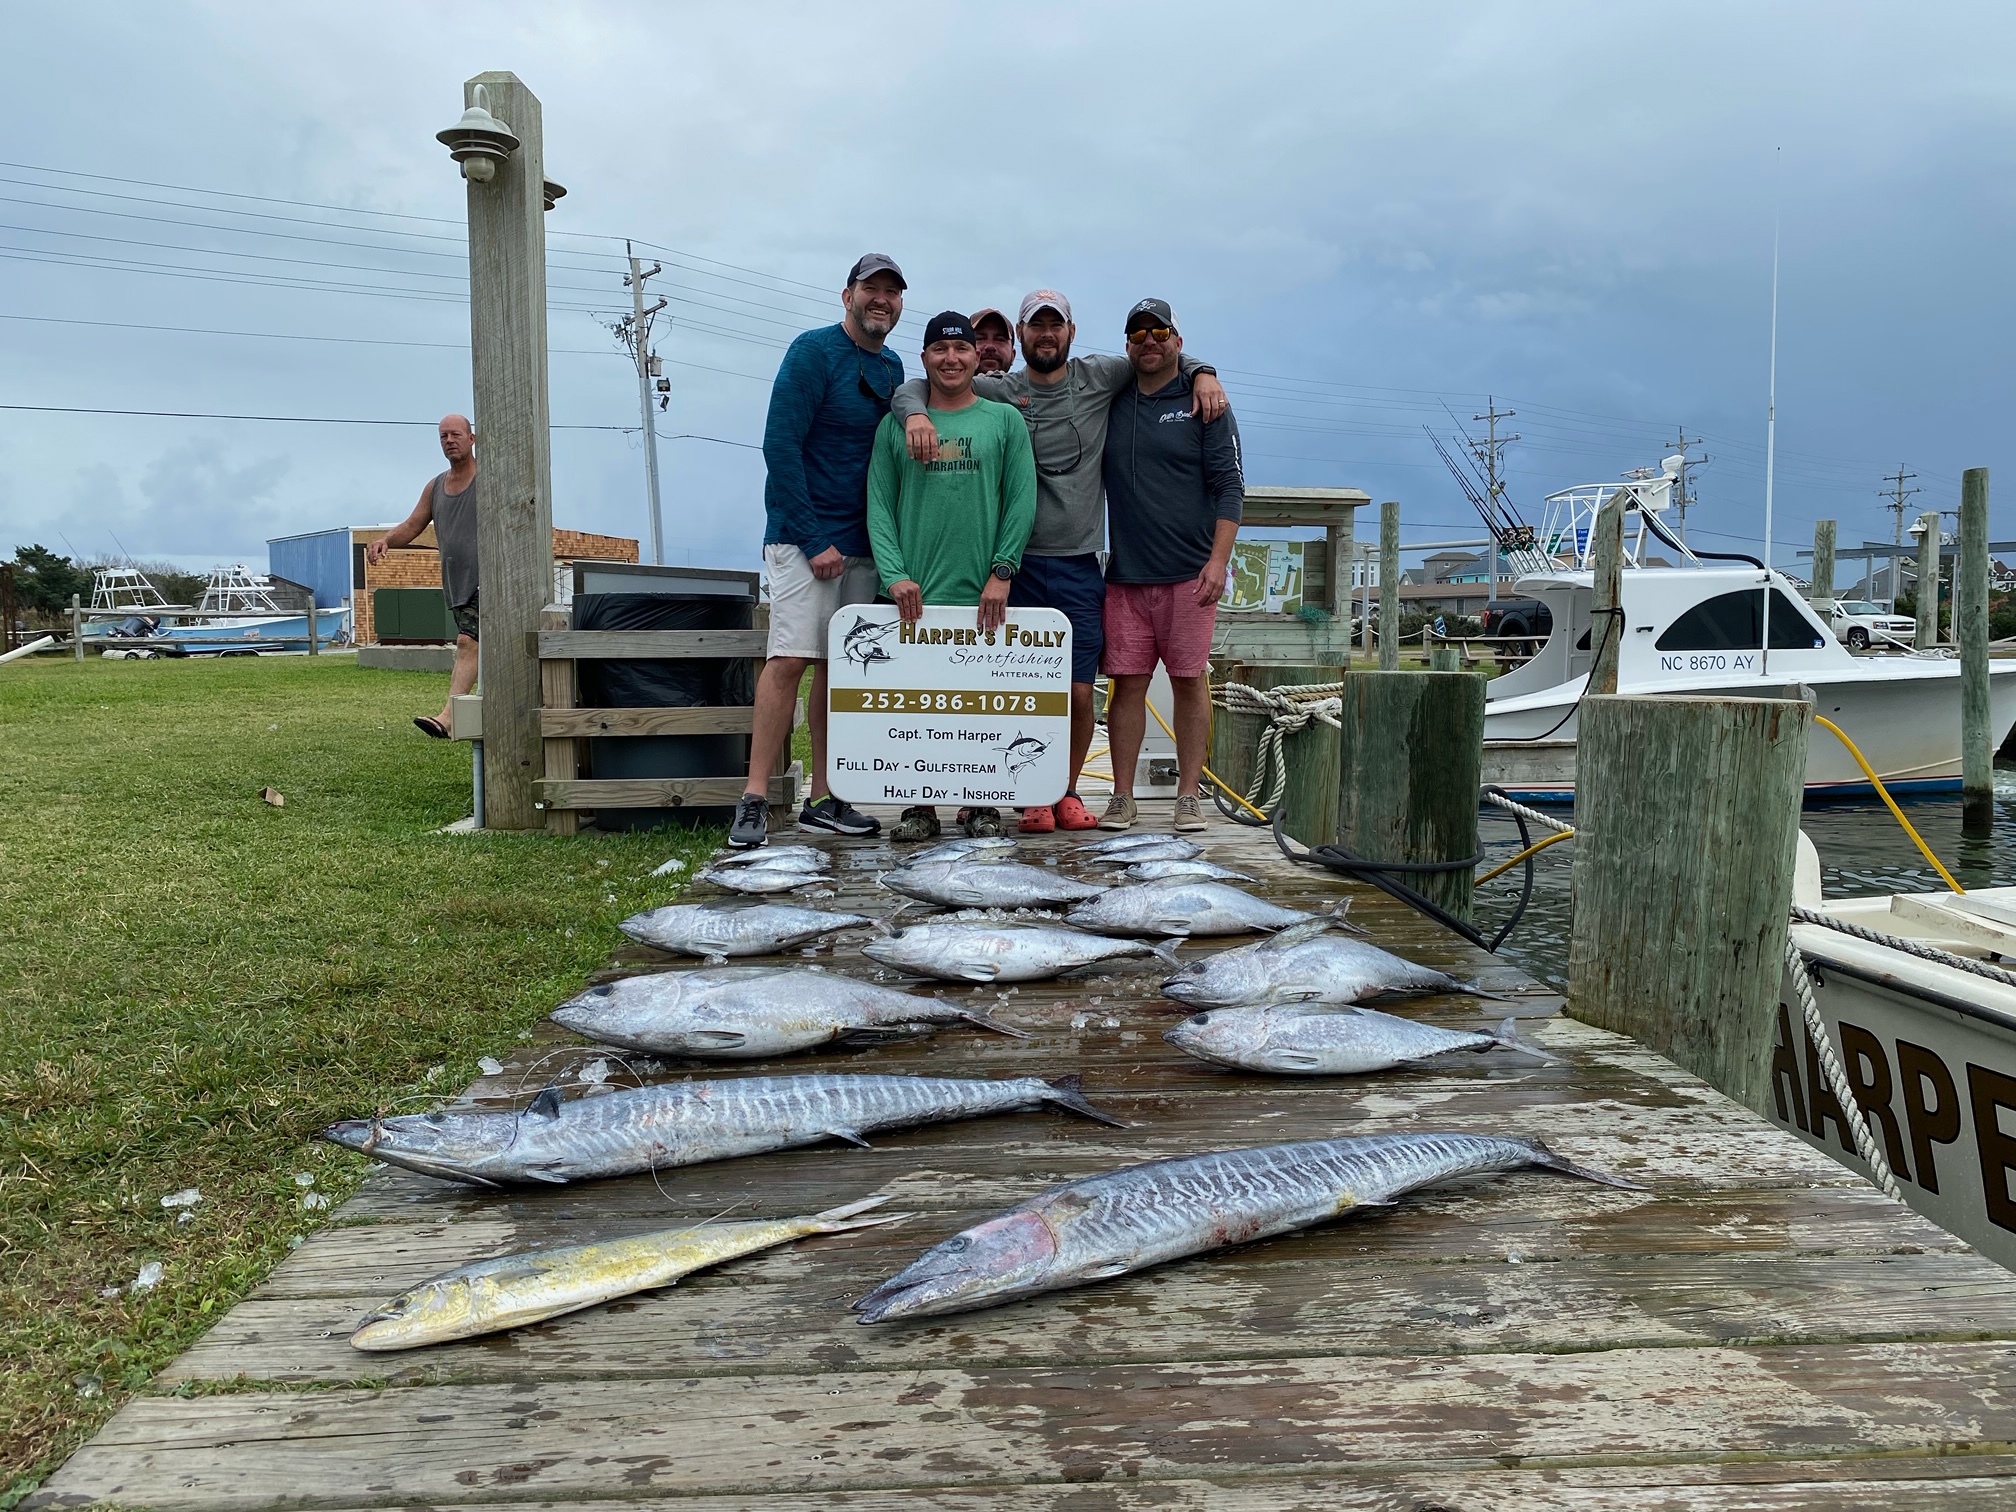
column 1361, row 214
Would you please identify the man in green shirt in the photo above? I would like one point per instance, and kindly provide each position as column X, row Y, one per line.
column 951, row 530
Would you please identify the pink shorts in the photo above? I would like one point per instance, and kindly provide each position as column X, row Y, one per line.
column 1150, row 622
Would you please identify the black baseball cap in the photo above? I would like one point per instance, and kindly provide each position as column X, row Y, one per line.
column 870, row 263
column 948, row 325
column 1151, row 312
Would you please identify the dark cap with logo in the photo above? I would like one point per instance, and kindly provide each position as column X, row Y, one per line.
column 948, row 325
column 871, row 263
column 1151, row 312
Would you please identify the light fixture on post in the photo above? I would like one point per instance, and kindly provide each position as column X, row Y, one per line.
column 479, row 141
column 554, row 193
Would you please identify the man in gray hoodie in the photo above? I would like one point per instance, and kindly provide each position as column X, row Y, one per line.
column 1065, row 401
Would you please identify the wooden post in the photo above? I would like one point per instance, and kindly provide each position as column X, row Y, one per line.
column 1970, row 625
column 1687, row 820
column 77, row 625
column 1926, row 594
column 1444, row 659
column 1606, row 624
column 314, row 648
column 562, row 758
column 1821, row 595
column 1389, row 586
column 507, row 334
column 1310, row 799
column 1410, row 755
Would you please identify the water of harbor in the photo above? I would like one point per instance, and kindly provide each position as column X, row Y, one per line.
column 1862, row 849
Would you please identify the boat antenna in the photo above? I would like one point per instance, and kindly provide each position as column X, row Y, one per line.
column 1771, row 401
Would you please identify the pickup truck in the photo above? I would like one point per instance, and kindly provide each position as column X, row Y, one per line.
column 1513, row 618
column 1858, row 625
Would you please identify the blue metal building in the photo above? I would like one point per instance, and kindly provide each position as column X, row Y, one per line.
column 331, row 562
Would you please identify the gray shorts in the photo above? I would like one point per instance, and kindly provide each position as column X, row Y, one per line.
column 801, row 605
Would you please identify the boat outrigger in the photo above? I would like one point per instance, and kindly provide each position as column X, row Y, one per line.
column 1695, row 624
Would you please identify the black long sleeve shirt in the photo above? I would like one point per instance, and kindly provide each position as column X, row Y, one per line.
column 1170, row 479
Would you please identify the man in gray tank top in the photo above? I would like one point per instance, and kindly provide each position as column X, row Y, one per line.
column 448, row 503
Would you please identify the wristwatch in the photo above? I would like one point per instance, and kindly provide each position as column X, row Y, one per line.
column 1004, row 571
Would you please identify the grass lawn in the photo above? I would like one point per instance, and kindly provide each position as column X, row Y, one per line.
column 193, row 981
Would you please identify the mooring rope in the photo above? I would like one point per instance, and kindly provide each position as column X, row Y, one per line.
column 1837, row 1077
column 1288, row 710
column 1497, row 799
column 1916, row 948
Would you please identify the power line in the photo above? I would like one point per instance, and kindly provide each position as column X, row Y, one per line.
column 69, row 409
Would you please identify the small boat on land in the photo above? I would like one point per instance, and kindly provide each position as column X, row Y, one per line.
column 1697, row 625
column 237, row 616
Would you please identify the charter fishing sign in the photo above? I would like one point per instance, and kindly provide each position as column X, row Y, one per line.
column 940, row 711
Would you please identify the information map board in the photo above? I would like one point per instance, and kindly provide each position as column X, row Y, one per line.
column 940, row 712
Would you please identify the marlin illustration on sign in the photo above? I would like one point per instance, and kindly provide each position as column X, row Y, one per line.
column 863, row 644
column 1022, row 752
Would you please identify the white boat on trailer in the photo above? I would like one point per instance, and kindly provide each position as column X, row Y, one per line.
column 1928, row 1045
column 1698, row 627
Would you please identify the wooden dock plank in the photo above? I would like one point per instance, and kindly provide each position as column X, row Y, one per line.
column 1759, row 1330
column 845, row 1429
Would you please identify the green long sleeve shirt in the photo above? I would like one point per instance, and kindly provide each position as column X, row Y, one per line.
column 944, row 524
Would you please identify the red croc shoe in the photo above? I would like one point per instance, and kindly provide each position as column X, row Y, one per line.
column 1037, row 821
column 1073, row 815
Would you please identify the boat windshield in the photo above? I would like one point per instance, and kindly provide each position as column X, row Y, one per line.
column 1735, row 622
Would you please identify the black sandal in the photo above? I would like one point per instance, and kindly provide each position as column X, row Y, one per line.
column 429, row 725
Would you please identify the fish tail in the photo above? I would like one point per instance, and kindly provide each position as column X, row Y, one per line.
column 1548, row 1160
column 838, row 1220
column 1166, row 949
column 983, row 1021
column 1069, row 1092
column 1471, row 989
column 1507, row 1037
column 1335, row 917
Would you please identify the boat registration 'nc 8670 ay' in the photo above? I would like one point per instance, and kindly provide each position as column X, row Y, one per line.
column 941, row 711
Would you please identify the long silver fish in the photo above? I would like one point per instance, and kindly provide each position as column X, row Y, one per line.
column 684, row 1123
column 1305, row 1040
column 533, row 1285
column 1142, row 841
column 1143, row 1215
column 999, row 884
column 789, row 857
column 1185, row 906
column 960, row 952
column 745, row 1012
column 760, row 880
column 971, row 847
column 1172, row 849
column 1168, row 871
column 702, row 929
column 1305, row 964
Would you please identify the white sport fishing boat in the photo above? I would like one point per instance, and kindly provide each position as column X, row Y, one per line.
column 1929, row 1048
column 246, row 620
column 1698, row 627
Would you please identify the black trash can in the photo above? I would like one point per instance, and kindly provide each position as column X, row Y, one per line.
column 625, row 597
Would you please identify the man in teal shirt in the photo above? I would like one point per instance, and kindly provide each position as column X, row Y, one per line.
column 951, row 530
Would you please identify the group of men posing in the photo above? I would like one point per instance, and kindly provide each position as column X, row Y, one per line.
column 988, row 485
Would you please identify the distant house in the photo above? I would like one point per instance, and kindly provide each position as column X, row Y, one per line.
column 331, row 564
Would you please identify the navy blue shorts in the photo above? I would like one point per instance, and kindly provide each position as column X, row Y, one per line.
column 1075, row 585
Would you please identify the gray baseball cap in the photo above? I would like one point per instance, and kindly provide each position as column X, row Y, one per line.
column 1045, row 299
column 1151, row 312
column 870, row 263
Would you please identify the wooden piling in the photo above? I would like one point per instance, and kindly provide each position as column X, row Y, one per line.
column 77, row 626
column 1310, row 798
column 1926, row 594
column 1687, row 821
column 1821, row 594
column 1444, row 659
column 1389, row 586
column 1410, row 756
column 1970, row 627
column 1606, row 625
column 507, row 327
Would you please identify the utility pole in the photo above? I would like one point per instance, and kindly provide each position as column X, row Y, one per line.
column 1898, row 499
column 635, row 334
column 1488, row 452
column 1682, row 494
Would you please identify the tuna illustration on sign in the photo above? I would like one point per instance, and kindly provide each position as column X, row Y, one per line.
column 1023, row 752
column 862, row 645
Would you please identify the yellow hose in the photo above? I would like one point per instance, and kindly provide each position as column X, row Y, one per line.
column 1884, row 793
column 1224, row 786
column 1532, row 850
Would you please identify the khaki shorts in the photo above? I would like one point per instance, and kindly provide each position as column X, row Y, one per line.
column 801, row 605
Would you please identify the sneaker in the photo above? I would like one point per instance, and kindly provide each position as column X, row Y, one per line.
column 1037, row 821
column 1189, row 813
column 1120, row 814
column 915, row 824
column 1073, row 815
column 837, row 818
column 752, row 822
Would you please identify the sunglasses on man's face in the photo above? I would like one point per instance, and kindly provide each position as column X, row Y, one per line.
column 1143, row 333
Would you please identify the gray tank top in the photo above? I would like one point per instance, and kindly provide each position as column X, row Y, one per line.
column 455, row 530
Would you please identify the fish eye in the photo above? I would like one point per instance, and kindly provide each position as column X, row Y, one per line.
column 958, row 1242
column 1201, row 1018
